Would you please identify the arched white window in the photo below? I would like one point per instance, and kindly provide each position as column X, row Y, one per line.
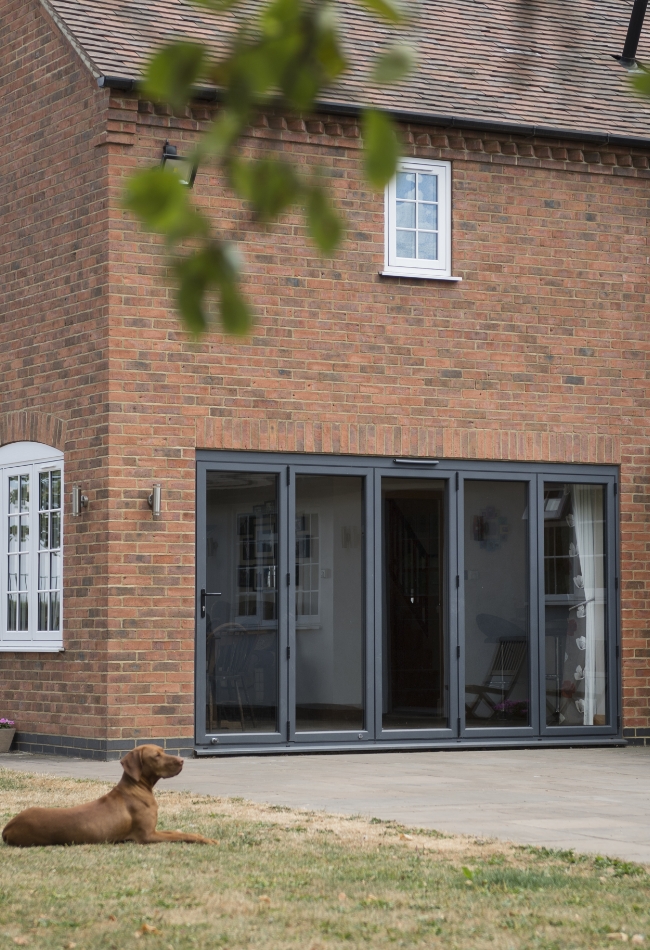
column 31, row 547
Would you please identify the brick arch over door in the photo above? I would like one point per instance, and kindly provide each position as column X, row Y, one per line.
column 31, row 426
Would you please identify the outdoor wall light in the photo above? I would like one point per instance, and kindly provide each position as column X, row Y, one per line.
column 79, row 500
column 183, row 167
column 154, row 502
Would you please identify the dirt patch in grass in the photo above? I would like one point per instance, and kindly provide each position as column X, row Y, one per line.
column 283, row 878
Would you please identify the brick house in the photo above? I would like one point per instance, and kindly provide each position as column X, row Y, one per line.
column 410, row 510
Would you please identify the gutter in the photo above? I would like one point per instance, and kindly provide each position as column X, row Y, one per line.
column 503, row 127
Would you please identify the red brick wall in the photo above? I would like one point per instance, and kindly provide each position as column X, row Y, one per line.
column 53, row 336
column 539, row 354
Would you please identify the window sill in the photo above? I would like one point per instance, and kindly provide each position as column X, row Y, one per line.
column 420, row 274
column 32, row 646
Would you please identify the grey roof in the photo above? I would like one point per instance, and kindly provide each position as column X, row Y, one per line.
column 535, row 62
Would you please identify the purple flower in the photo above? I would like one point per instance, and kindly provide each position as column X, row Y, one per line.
column 7, row 723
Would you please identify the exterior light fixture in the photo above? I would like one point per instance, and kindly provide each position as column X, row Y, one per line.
column 79, row 500
column 154, row 502
column 183, row 167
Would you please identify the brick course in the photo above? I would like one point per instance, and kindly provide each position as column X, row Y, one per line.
column 539, row 354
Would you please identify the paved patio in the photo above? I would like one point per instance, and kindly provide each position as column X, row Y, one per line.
column 593, row 800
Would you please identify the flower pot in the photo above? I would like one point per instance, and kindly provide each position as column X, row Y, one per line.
column 6, row 738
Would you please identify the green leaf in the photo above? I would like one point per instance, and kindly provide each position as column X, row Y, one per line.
column 173, row 71
column 213, row 267
column 640, row 82
column 268, row 184
column 322, row 220
column 381, row 147
column 221, row 135
column 393, row 65
column 384, row 8
column 160, row 200
column 468, row 874
column 235, row 313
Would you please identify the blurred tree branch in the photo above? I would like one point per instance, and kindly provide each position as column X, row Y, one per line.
column 283, row 57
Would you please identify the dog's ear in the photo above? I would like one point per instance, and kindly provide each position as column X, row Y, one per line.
column 132, row 764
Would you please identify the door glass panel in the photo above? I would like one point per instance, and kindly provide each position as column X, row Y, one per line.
column 496, row 604
column 329, row 575
column 242, row 622
column 575, row 605
column 415, row 688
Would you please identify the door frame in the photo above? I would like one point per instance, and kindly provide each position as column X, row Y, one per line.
column 455, row 472
column 501, row 731
column 244, row 739
column 450, row 622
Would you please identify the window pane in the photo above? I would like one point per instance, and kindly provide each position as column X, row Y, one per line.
column 23, row 615
column 405, row 185
column 405, row 243
column 55, row 540
column 330, row 627
column 242, row 623
column 24, row 532
column 13, row 494
column 43, row 571
column 415, row 686
column 55, row 610
column 43, row 602
column 427, row 245
column 56, row 489
column 428, row 217
column 427, row 187
column 55, row 574
column 496, row 604
column 44, row 491
column 575, row 605
column 13, row 572
column 23, row 577
column 12, row 611
column 405, row 214
column 44, row 532
column 13, row 534
column 24, row 492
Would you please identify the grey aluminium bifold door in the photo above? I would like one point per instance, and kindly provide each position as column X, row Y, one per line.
column 347, row 602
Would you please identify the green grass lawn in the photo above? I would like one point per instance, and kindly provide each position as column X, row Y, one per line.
column 282, row 878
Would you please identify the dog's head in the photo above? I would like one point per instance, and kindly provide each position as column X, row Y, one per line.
column 150, row 762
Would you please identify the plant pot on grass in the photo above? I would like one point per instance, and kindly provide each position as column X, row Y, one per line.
column 7, row 733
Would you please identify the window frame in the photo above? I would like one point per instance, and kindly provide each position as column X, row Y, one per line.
column 31, row 458
column 410, row 267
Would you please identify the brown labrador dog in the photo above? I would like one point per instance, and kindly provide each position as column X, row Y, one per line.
column 128, row 813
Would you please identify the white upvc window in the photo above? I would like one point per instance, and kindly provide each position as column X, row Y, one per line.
column 418, row 220
column 31, row 548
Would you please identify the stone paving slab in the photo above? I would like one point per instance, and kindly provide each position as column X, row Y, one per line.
column 593, row 800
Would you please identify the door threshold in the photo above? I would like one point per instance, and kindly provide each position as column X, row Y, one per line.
column 449, row 745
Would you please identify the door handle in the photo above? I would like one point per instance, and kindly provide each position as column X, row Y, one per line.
column 206, row 593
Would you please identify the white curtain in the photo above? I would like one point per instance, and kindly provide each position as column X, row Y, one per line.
column 588, row 513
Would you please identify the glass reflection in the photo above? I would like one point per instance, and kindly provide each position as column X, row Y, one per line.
column 496, row 604
column 329, row 603
column 575, row 605
column 241, row 623
column 414, row 681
